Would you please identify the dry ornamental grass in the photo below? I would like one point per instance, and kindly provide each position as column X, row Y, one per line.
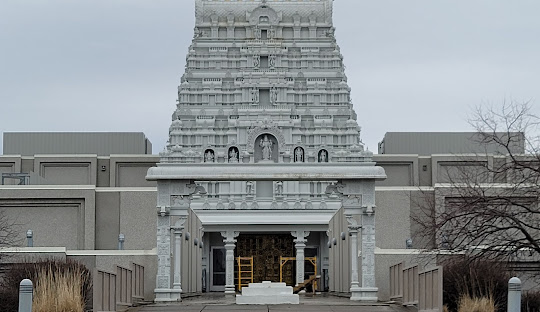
column 58, row 291
column 468, row 304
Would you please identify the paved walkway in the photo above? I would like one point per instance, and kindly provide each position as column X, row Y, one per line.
column 209, row 303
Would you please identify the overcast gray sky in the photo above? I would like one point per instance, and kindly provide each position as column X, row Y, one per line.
column 114, row 65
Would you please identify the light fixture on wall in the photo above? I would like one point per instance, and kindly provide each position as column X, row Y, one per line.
column 188, row 236
column 121, row 240
column 30, row 238
column 408, row 243
column 343, row 235
column 329, row 244
column 334, row 241
column 196, row 241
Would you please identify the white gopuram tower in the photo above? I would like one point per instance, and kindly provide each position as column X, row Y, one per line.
column 264, row 160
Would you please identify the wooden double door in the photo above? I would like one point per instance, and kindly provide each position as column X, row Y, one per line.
column 266, row 250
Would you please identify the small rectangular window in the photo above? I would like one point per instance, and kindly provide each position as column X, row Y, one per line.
column 264, row 61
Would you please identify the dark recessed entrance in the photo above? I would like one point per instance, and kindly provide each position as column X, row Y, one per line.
column 266, row 250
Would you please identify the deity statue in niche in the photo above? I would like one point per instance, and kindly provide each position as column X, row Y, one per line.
column 272, row 61
column 279, row 188
column 209, row 156
column 298, row 154
column 323, row 156
column 249, row 188
column 256, row 61
column 255, row 95
column 273, row 96
column 266, row 146
column 233, row 155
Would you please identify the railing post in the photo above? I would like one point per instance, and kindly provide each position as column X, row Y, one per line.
column 26, row 292
column 514, row 295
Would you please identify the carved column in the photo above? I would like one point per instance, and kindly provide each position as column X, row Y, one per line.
column 300, row 245
column 353, row 232
column 230, row 243
column 174, row 200
column 359, row 204
column 163, row 278
column 177, row 230
column 369, row 289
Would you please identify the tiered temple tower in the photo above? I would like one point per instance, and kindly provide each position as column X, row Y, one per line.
column 264, row 160
column 272, row 67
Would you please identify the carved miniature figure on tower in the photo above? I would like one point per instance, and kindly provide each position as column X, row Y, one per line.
column 266, row 146
column 273, row 96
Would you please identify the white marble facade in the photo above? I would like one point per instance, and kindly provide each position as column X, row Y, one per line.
column 263, row 126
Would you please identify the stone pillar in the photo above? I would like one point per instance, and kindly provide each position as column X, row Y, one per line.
column 369, row 289
column 163, row 289
column 359, row 207
column 230, row 244
column 353, row 232
column 173, row 200
column 300, row 245
column 177, row 229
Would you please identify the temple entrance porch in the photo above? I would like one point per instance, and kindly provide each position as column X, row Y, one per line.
column 268, row 256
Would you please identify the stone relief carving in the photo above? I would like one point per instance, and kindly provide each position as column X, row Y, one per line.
column 298, row 154
column 273, row 96
column 323, row 156
column 209, row 156
column 180, row 201
column 266, row 12
column 272, row 61
column 279, row 188
column 335, row 189
column 266, row 146
column 255, row 96
column 233, row 155
column 265, row 126
column 256, row 61
column 249, row 188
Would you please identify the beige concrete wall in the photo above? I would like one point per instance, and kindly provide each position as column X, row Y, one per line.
column 107, row 220
column 138, row 218
column 392, row 217
column 59, row 216
column 130, row 171
column 10, row 165
column 66, row 170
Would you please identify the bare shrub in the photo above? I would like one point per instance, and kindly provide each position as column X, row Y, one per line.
column 474, row 278
column 530, row 301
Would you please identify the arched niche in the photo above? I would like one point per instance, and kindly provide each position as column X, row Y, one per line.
column 264, row 15
column 233, row 155
column 266, row 149
column 299, row 155
column 323, row 156
column 209, row 156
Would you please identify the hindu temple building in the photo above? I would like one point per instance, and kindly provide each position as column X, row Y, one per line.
column 264, row 152
column 264, row 176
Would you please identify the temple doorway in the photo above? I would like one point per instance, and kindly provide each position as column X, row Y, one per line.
column 266, row 250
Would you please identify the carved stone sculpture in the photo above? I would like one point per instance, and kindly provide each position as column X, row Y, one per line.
column 266, row 146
